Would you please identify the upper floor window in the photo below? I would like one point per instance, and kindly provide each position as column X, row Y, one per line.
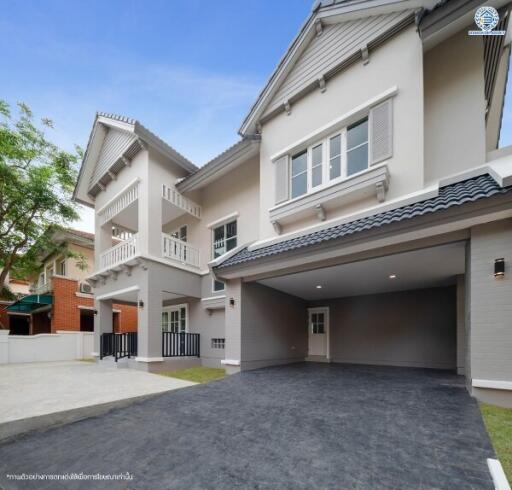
column 61, row 267
column 224, row 238
column 338, row 156
column 357, row 147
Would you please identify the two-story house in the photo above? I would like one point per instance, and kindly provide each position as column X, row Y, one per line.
column 365, row 216
column 58, row 297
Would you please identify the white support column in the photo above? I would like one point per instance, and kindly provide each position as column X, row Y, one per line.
column 233, row 350
column 102, row 321
column 150, row 211
column 149, row 338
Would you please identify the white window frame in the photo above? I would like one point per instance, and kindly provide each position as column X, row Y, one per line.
column 326, row 181
column 59, row 264
column 217, row 290
column 223, row 224
column 218, row 342
column 177, row 308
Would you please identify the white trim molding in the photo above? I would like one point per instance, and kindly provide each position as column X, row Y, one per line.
column 230, row 362
column 223, row 220
column 223, row 296
column 494, row 384
column 113, row 294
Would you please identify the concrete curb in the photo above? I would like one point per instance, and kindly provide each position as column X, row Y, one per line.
column 11, row 430
column 497, row 474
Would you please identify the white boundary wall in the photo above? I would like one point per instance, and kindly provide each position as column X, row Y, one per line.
column 61, row 346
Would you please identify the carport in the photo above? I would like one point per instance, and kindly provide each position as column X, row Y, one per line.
column 404, row 309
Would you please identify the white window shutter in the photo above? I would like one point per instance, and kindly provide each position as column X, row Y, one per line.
column 282, row 179
column 381, row 132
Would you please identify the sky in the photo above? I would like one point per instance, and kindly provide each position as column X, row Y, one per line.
column 188, row 70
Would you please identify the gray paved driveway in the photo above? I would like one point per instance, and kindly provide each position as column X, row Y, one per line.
column 299, row 426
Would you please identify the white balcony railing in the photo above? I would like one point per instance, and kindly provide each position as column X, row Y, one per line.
column 120, row 253
column 42, row 288
column 121, row 202
column 180, row 251
column 169, row 193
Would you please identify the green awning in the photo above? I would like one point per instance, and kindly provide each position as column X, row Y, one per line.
column 30, row 303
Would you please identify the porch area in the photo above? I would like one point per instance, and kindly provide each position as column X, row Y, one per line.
column 161, row 296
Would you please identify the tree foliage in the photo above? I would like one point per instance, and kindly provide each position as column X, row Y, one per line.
column 36, row 184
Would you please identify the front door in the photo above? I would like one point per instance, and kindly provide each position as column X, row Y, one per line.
column 318, row 327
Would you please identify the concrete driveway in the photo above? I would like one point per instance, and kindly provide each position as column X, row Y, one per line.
column 299, row 426
column 41, row 394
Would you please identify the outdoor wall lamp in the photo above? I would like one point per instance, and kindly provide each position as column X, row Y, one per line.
column 499, row 267
column 231, row 302
column 95, row 312
column 141, row 304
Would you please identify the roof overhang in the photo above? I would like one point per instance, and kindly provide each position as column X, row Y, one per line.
column 458, row 207
column 449, row 18
column 233, row 157
column 144, row 138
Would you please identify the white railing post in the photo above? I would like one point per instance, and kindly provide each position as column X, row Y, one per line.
column 120, row 253
column 169, row 193
column 131, row 194
column 179, row 251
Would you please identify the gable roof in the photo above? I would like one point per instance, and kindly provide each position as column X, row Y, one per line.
column 127, row 137
column 457, row 194
column 324, row 13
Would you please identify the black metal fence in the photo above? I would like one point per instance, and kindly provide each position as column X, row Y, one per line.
column 180, row 344
column 118, row 345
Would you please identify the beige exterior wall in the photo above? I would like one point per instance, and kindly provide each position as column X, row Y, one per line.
column 396, row 63
column 72, row 270
column 236, row 192
column 454, row 107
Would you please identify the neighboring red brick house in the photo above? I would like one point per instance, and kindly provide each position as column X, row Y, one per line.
column 60, row 298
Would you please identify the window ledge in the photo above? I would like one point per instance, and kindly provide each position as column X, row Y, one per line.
column 373, row 181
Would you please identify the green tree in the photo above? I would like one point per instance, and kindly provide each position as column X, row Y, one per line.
column 36, row 184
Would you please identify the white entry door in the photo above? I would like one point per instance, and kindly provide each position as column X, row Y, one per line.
column 318, row 326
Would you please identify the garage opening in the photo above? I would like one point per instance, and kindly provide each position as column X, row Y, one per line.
column 405, row 309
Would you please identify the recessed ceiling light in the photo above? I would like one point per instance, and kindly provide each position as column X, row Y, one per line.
column 319, row 286
column 392, row 276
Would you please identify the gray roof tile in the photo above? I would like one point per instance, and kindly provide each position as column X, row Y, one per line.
column 456, row 194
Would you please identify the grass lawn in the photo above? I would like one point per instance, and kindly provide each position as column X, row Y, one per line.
column 499, row 426
column 196, row 374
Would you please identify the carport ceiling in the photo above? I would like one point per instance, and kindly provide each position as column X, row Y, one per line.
column 430, row 267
